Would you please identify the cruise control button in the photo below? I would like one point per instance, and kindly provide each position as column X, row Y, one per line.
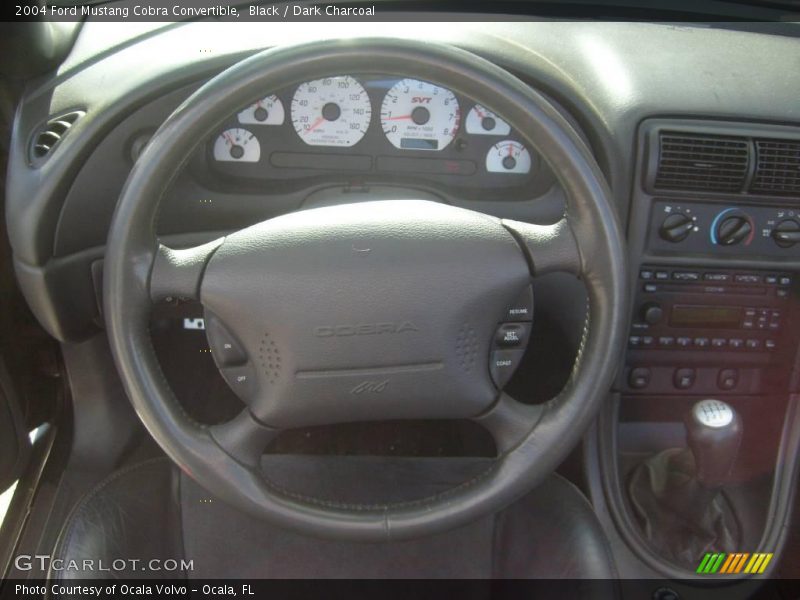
column 512, row 335
column 241, row 380
column 503, row 364
column 225, row 348
column 522, row 309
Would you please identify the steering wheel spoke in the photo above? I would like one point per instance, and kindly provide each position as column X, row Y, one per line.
column 179, row 272
column 509, row 422
column 549, row 248
column 243, row 438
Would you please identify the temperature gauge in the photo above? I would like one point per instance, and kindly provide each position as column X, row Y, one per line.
column 508, row 157
column 237, row 145
column 481, row 121
column 267, row 111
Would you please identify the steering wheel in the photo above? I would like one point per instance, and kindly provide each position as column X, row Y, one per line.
column 381, row 310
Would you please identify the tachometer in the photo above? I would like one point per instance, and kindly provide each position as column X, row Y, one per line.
column 267, row 111
column 334, row 111
column 508, row 157
column 417, row 115
column 237, row 145
column 481, row 121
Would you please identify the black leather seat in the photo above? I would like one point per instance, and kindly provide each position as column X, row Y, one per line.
column 151, row 511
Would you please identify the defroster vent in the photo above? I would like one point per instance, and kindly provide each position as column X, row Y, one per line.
column 713, row 163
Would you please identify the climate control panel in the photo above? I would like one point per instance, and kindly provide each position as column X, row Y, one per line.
column 683, row 227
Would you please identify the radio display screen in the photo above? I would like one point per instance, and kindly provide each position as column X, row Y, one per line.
column 709, row 317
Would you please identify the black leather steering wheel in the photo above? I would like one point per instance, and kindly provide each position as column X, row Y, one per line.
column 406, row 295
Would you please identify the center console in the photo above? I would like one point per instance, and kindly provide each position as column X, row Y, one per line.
column 714, row 253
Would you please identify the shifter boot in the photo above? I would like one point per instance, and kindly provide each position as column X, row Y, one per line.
column 680, row 518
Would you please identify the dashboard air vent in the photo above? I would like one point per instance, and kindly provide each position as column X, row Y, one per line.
column 777, row 167
column 48, row 137
column 713, row 163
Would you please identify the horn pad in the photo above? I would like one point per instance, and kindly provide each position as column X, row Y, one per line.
column 369, row 311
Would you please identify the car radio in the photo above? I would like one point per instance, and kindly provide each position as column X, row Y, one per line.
column 719, row 325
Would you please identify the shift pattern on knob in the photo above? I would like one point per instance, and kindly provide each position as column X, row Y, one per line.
column 713, row 413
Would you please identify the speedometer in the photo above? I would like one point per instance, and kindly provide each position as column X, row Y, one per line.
column 417, row 115
column 334, row 111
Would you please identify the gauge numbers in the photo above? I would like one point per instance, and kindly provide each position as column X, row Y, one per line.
column 508, row 157
column 267, row 111
column 334, row 111
column 481, row 121
column 237, row 145
column 417, row 115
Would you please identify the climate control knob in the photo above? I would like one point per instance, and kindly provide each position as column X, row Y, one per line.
column 733, row 229
column 676, row 227
column 786, row 233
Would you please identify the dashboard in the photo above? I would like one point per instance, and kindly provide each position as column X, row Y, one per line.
column 373, row 128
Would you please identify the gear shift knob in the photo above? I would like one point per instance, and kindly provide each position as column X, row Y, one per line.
column 714, row 434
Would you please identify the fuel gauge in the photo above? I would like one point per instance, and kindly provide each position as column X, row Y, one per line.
column 267, row 111
column 237, row 145
column 508, row 157
column 481, row 121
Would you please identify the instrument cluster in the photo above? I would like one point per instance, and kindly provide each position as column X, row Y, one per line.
column 371, row 128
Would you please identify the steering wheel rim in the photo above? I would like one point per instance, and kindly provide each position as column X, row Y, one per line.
column 533, row 440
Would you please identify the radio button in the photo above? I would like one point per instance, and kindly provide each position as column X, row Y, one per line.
column 784, row 280
column 686, row 276
column 645, row 274
column 782, row 293
column 651, row 313
column 736, row 343
column 666, row 341
column 748, row 278
column 647, row 340
column 718, row 277
column 750, row 312
column 701, row 342
column 753, row 344
column 748, row 324
column 650, row 287
column 719, row 342
column 771, row 279
column 770, row 345
column 684, row 342
column 634, row 341
column 683, row 379
column 662, row 275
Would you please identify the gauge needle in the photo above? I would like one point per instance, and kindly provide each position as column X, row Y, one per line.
column 315, row 124
column 398, row 118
